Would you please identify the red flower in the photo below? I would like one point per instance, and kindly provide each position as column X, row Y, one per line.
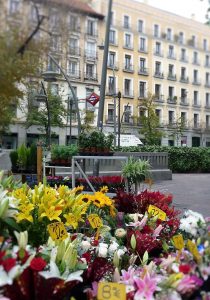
column 38, row 264
column 184, row 269
column 2, row 254
column 8, row 263
column 87, row 256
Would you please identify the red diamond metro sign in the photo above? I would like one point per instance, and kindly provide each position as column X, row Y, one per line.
column 93, row 99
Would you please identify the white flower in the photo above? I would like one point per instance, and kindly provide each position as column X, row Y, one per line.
column 120, row 252
column 22, row 239
column 135, row 217
column 113, row 247
column 85, row 245
column 7, row 278
column 191, row 221
column 120, row 232
column 102, row 250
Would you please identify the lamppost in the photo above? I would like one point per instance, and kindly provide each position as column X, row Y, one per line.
column 42, row 97
column 119, row 120
column 70, row 118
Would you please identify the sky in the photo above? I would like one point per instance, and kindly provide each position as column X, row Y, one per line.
column 184, row 8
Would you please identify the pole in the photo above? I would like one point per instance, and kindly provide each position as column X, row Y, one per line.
column 104, row 70
column 119, row 120
column 70, row 120
column 48, row 116
column 72, row 91
column 39, row 163
column 115, row 125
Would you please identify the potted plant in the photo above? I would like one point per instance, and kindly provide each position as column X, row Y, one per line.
column 14, row 160
column 135, row 171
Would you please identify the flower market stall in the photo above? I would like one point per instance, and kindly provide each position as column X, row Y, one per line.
column 61, row 243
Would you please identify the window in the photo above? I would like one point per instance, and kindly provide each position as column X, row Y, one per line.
column 90, row 71
column 142, row 64
column 33, row 14
column 169, row 34
column 126, row 22
column 196, row 120
column 128, row 40
column 54, row 88
column 128, row 62
column 183, row 54
column 52, row 66
column 142, row 44
column 157, row 68
column 205, row 44
column 158, row 48
column 158, row 90
column 193, row 40
column 207, row 121
column 56, row 43
column 195, row 57
column 156, row 30
column 171, row 51
column 142, row 89
column 112, row 19
column 111, row 85
column 207, row 79
column 207, row 61
column 112, row 37
column 140, row 26
column 183, row 95
column 183, row 73
column 73, row 68
column 207, row 99
column 170, row 117
column 73, row 23
column 195, row 98
column 127, row 87
column 14, row 6
column 170, row 92
column 91, row 28
column 195, row 76
column 127, row 114
column 54, row 19
column 181, row 37
column 183, row 117
column 73, row 46
column 112, row 59
column 158, row 113
column 110, row 113
column 90, row 50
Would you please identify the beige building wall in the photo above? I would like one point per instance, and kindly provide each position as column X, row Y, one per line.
column 189, row 80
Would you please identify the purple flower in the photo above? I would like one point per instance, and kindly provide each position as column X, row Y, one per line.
column 128, row 276
column 146, row 287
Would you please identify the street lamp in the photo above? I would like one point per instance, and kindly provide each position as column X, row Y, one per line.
column 42, row 97
column 119, row 120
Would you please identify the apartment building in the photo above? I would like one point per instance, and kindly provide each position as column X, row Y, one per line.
column 155, row 51
column 74, row 28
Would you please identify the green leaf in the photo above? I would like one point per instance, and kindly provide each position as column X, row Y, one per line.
column 12, row 223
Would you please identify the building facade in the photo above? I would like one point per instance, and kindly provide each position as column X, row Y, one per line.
column 71, row 28
column 155, row 51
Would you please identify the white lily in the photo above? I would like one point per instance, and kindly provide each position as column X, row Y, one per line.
column 7, row 278
column 22, row 239
column 55, row 273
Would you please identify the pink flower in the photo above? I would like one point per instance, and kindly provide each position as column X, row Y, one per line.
column 146, row 287
column 127, row 276
column 94, row 291
column 157, row 230
column 139, row 224
column 189, row 283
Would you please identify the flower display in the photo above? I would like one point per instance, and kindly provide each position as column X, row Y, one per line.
column 59, row 243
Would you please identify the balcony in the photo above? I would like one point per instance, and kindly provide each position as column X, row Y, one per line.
column 196, row 104
column 128, row 68
column 91, row 32
column 143, row 50
column 196, row 82
column 142, row 95
column 172, row 100
column 171, row 56
column 207, row 85
column 184, row 59
column 207, row 65
column 128, row 121
column 158, row 75
column 113, row 66
column 74, row 74
column 128, row 94
column 143, row 71
column 113, row 42
column 74, row 28
column 184, row 79
column 159, row 98
column 90, row 76
column 128, row 46
column 110, row 118
column 196, row 62
column 196, row 126
column 111, row 91
column 91, row 55
column 171, row 77
column 75, row 51
column 207, row 106
column 184, row 101
column 158, row 53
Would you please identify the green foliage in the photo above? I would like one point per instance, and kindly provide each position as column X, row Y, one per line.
column 181, row 159
column 14, row 158
column 22, row 157
column 63, row 152
column 96, row 139
column 150, row 122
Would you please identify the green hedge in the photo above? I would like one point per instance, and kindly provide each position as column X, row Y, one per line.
column 181, row 159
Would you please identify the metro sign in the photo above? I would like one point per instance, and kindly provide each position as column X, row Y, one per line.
column 93, row 99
